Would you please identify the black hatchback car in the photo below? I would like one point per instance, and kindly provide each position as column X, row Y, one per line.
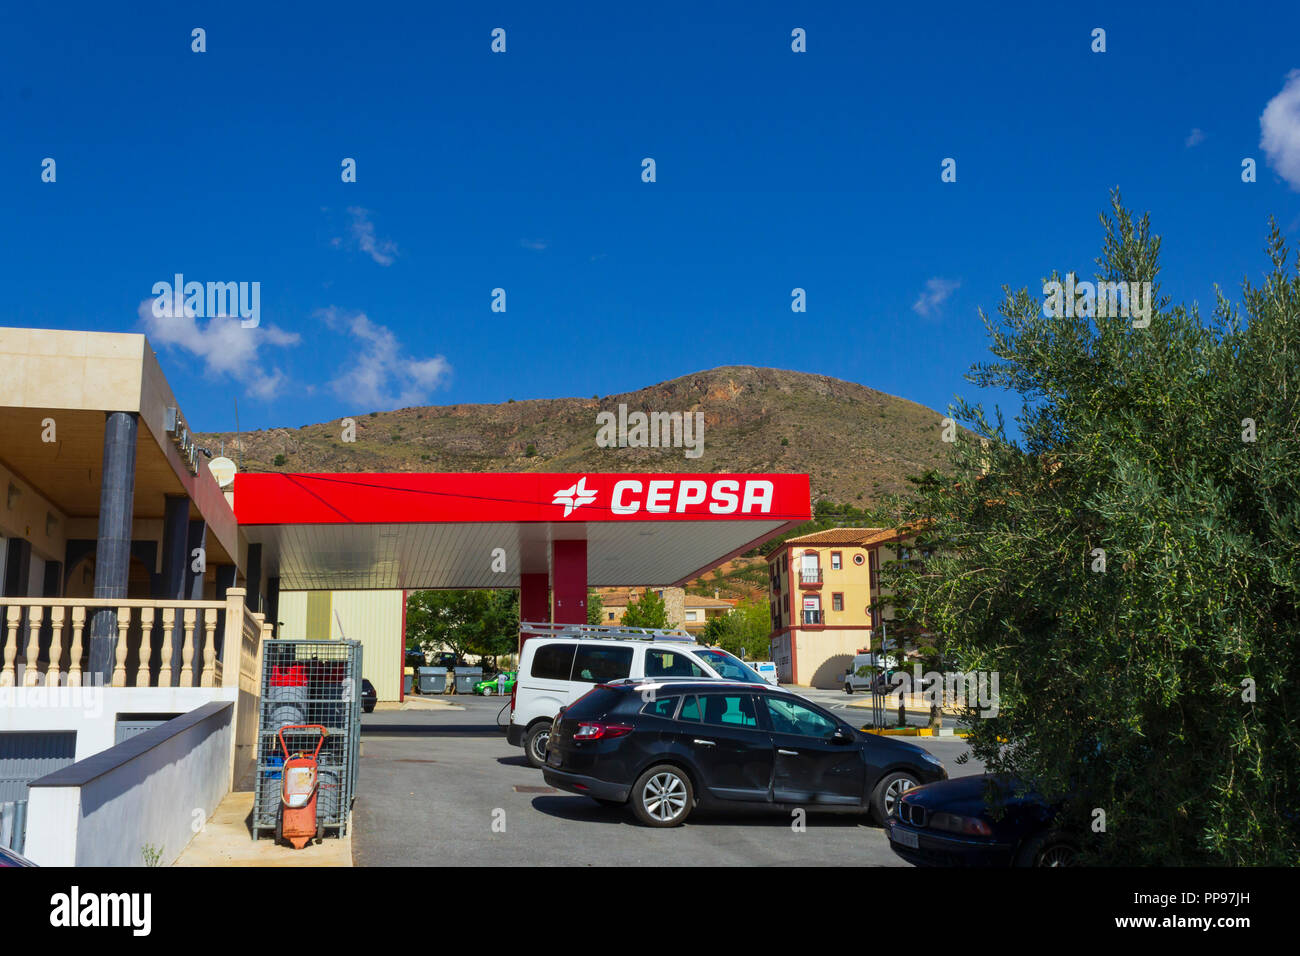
column 667, row 746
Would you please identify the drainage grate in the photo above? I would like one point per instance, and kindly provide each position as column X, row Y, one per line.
column 520, row 789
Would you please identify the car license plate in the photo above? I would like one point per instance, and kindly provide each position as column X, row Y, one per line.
column 904, row 837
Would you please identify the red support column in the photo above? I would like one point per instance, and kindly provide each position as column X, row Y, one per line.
column 534, row 603
column 534, row 600
column 569, row 582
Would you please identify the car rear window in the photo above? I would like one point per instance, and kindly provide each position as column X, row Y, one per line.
column 663, row 707
column 596, row 665
column 596, row 703
column 553, row 661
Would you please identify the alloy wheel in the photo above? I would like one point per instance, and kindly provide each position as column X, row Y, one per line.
column 893, row 792
column 664, row 796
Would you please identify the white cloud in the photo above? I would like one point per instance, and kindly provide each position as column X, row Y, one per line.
column 937, row 292
column 381, row 375
column 1279, row 126
column 223, row 344
column 383, row 251
column 537, row 245
column 1194, row 138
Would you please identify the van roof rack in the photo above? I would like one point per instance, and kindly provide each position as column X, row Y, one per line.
column 603, row 632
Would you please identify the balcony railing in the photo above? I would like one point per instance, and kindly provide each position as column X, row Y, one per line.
column 810, row 576
column 812, row 617
column 45, row 641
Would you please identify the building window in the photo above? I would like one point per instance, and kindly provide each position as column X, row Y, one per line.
column 858, row 559
column 692, row 615
column 837, row 602
column 611, row 615
column 836, row 561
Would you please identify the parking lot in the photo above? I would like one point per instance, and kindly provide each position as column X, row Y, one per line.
column 433, row 783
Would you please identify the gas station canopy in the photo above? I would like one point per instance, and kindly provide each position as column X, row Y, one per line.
column 422, row 530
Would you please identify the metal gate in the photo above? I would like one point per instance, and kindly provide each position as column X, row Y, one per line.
column 25, row 757
column 309, row 682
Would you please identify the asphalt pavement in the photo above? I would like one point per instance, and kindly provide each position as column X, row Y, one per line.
column 443, row 788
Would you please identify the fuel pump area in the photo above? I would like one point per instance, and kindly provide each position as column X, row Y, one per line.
column 552, row 536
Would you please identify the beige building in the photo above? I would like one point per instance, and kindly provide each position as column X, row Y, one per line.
column 821, row 587
column 375, row 618
column 689, row 611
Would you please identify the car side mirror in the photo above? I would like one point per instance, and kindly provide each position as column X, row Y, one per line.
column 842, row 736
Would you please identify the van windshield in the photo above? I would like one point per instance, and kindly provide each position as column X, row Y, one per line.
column 730, row 667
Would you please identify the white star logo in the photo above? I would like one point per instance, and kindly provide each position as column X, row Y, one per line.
column 574, row 496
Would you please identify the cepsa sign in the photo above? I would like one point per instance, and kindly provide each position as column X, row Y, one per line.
column 724, row 496
column 517, row 497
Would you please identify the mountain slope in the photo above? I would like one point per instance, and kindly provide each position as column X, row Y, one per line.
column 853, row 441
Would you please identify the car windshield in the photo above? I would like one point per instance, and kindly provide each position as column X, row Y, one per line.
column 730, row 667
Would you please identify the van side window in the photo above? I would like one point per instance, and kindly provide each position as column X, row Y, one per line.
column 553, row 661
column 595, row 665
column 671, row 664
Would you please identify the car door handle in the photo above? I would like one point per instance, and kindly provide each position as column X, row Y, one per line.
column 788, row 753
column 705, row 743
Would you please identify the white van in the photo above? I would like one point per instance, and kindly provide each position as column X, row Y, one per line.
column 562, row 662
column 862, row 671
column 765, row 669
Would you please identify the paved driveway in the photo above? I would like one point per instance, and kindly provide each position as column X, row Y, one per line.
column 433, row 783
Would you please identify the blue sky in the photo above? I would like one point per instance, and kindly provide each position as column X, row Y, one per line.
column 522, row 171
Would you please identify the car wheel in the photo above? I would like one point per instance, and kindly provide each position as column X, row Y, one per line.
column 535, row 743
column 487, row 691
column 1048, row 849
column 662, row 796
column 279, row 826
column 848, row 688
column 884, row 799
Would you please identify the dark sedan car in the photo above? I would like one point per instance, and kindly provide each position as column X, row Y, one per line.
column 953, row 823
column 368, row 696
column 665, row 747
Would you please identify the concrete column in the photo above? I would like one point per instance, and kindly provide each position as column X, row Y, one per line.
column 171, row 583
column 226, row 575
column 569, row 582
column 253, row 579
column 18, row 568
column 197, row 539
column 113, row 546
column 273, row 604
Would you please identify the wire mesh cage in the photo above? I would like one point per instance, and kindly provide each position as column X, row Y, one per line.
column 304, row 684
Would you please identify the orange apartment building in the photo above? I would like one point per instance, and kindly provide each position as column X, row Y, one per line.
column 820, row 589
